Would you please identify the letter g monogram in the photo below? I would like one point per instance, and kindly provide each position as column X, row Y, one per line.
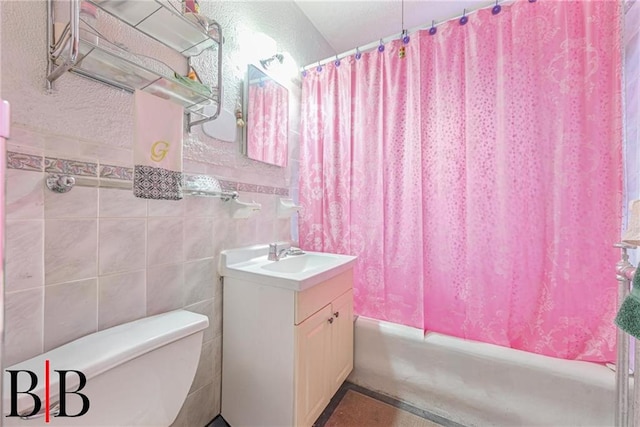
column 159, row 150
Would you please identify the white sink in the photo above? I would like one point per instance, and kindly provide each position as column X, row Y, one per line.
column 301, row 263
column 296, row 272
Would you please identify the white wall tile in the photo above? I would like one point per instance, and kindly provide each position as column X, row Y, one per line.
column 106, row 154
column 23, row 325
column 166, row 207
column 27, row 137
column 205, row 372
column 245, row 231
column 121, row 203
column 282, row 229
column 200, row 206
column 217, row 371
column 164, row 288
column 217, row 288
column 223, row 229
column 80, row 202
column 121, row 245
column 198, row 241
column 25, row 194
column 64, row 147
column 221, row 211
column 199, row 280
column 165, row 240
column 216, row 318
column 70, row 312
column 201, row 406
column 70, row 250
column 24, row 265
column 122, row 298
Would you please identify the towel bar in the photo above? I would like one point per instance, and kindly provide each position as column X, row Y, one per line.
column 60, row 183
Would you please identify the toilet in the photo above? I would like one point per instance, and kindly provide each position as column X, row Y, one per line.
column 137, row 374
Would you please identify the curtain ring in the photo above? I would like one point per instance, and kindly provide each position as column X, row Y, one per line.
column 358, row 53
column 405, row 37
column 337, row 61
column 496, row 9
column 319, row 68
column 381, row 47
column 464, row 19
column 433, row 28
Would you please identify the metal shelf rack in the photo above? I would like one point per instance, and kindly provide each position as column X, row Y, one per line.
column 88, row 54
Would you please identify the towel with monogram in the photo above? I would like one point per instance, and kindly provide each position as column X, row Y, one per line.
column 157, row 151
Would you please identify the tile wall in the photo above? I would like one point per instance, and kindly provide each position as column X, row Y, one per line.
column 93, row 258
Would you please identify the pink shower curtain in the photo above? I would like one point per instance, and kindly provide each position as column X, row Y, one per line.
column 266, row 134
column 478, row 179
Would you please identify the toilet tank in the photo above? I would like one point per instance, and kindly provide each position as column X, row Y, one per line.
column 138, row 374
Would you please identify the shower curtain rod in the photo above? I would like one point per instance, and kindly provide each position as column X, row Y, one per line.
column 384, row 40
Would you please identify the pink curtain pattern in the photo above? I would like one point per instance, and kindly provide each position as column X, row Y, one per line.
column 479, row 178
column 267, row 128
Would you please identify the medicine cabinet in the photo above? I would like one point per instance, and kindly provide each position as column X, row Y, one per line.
column 266, row 108
column 84, row 51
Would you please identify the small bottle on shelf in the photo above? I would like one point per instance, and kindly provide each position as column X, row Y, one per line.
column 190, row 6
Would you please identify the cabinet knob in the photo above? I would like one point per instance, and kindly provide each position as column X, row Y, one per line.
column 337, row 314
column 330, row 320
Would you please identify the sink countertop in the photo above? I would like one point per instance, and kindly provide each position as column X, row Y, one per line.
column 295, row 272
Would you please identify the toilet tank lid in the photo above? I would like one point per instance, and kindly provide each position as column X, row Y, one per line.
column 98, row 352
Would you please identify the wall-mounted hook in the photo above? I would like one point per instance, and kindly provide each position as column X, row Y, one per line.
column 286, row 207
column 60, row 183
column 244, row 209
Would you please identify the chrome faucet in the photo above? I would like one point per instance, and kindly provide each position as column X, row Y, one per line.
column 276, row 252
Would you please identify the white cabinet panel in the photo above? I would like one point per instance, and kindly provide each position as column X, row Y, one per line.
column 285, row 353
column 341, row 361
column 313, row 341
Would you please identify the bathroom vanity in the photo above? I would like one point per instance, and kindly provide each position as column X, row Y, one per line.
column 287, row 344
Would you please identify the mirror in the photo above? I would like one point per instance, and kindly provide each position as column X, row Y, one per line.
column 266, row 113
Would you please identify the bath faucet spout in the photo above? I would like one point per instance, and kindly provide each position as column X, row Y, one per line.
column 276, row 252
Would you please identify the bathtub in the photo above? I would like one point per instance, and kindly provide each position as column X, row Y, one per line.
column 478, row 384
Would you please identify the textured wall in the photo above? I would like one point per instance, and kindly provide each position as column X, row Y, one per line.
column 106, row 256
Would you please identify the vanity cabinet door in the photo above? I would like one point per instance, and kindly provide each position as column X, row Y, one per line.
column 341, row 359
column 313, row 347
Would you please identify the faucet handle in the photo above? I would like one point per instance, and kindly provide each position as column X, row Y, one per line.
column 279, row 245
column 277, row 249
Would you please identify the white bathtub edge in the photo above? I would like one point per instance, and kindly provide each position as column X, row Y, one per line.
column 479, row 384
